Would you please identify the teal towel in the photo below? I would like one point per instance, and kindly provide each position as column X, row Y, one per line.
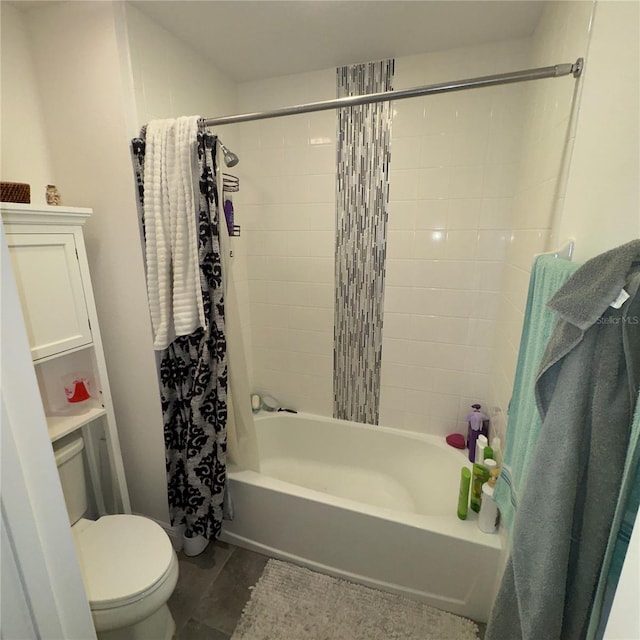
column 621, row 529
column 547, row 276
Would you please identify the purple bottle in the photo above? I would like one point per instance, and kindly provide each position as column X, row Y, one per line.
column 478, row 424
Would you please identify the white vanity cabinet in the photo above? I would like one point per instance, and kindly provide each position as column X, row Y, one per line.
column 49, row 262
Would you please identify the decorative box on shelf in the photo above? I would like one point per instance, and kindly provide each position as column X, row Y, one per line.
column 15, row 192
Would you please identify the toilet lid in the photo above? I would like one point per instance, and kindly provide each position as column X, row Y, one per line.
column 122, row 557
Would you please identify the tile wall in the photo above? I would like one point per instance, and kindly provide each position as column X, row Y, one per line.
column 454, row 158
column 453, row 166
column 473, row 192
column 286, row 206
column 550, row 112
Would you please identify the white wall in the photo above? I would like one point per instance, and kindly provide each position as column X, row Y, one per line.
column 451, row 159
column 80, row 104
column 78, row 68
column 550, row 112
column 286, row 205
column 169, row 78
column 95, row 93
column 580, row 162
column 24, row 145
column 602, row 200
column 453, row 162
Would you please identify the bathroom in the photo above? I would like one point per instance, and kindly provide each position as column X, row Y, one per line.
column 96, row 72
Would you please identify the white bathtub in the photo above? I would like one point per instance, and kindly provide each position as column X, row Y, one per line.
column 369, row 504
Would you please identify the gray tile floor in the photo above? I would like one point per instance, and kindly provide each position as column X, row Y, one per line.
column 212, row 590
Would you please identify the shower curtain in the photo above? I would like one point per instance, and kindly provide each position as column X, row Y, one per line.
column 193, row 369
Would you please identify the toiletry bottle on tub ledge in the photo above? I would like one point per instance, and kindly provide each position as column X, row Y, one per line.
column 463, row 497
column 478, row 423
column 479, row 476
column 489, row 514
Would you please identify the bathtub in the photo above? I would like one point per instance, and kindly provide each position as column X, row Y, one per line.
column 369, row 504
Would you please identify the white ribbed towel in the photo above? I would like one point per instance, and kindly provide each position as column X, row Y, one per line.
column 170, row 212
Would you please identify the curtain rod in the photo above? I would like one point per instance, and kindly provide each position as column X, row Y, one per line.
column 554, row 71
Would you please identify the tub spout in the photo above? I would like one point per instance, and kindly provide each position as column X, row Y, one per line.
column 271, row 404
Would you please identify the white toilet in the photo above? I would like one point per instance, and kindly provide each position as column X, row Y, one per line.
column 129, row 566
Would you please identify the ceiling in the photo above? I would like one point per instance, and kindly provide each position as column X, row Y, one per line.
column 249, row 40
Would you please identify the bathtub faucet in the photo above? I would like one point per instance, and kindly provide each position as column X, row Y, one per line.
column 271, row 404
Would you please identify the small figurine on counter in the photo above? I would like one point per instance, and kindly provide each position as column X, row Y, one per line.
column 53, row 196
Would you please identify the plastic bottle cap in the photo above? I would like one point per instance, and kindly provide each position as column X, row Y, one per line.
column 490, row 464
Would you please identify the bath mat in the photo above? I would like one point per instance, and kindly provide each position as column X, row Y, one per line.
column 292, row 603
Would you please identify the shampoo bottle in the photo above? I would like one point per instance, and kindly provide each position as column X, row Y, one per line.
column 480, row 475
column 481, row 443
column 489, row 514
column 463, row 498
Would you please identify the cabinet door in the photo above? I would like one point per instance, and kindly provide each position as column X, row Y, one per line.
column 49, row 281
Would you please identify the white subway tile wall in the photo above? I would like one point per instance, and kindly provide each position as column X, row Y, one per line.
column 286, row 205
column 453, row 162
column 472, row 191
column 550, row 112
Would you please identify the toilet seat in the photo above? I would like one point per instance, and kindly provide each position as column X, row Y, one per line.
column 124, row 558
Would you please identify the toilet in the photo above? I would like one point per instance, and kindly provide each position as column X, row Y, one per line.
column 129, row 567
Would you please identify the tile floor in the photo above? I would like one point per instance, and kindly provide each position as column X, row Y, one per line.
column 212, row 590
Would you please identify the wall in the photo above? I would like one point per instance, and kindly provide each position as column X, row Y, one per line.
column 451, row 158
column 114, row 91
column 24, row 146
column 286, row 206
column 169, row 78
column 87, row 108
column 602, row 199
column 549, row 131
column 103, row 96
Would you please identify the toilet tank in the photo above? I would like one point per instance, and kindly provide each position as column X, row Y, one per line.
column 71, row 471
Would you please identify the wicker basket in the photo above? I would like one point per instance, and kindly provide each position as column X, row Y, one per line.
column 15, row 192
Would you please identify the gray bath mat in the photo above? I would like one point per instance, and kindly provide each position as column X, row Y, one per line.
column 292, row 603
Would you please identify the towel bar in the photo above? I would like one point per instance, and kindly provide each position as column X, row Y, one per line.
column 565, row 251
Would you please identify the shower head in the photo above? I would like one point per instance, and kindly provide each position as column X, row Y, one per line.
column 230, row 158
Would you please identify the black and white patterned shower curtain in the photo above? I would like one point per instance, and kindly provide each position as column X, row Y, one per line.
column 193, row 374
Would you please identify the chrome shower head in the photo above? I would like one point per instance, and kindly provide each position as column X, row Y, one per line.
column 230, row 158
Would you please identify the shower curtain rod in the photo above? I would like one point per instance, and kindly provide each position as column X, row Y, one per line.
column 554, row 71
